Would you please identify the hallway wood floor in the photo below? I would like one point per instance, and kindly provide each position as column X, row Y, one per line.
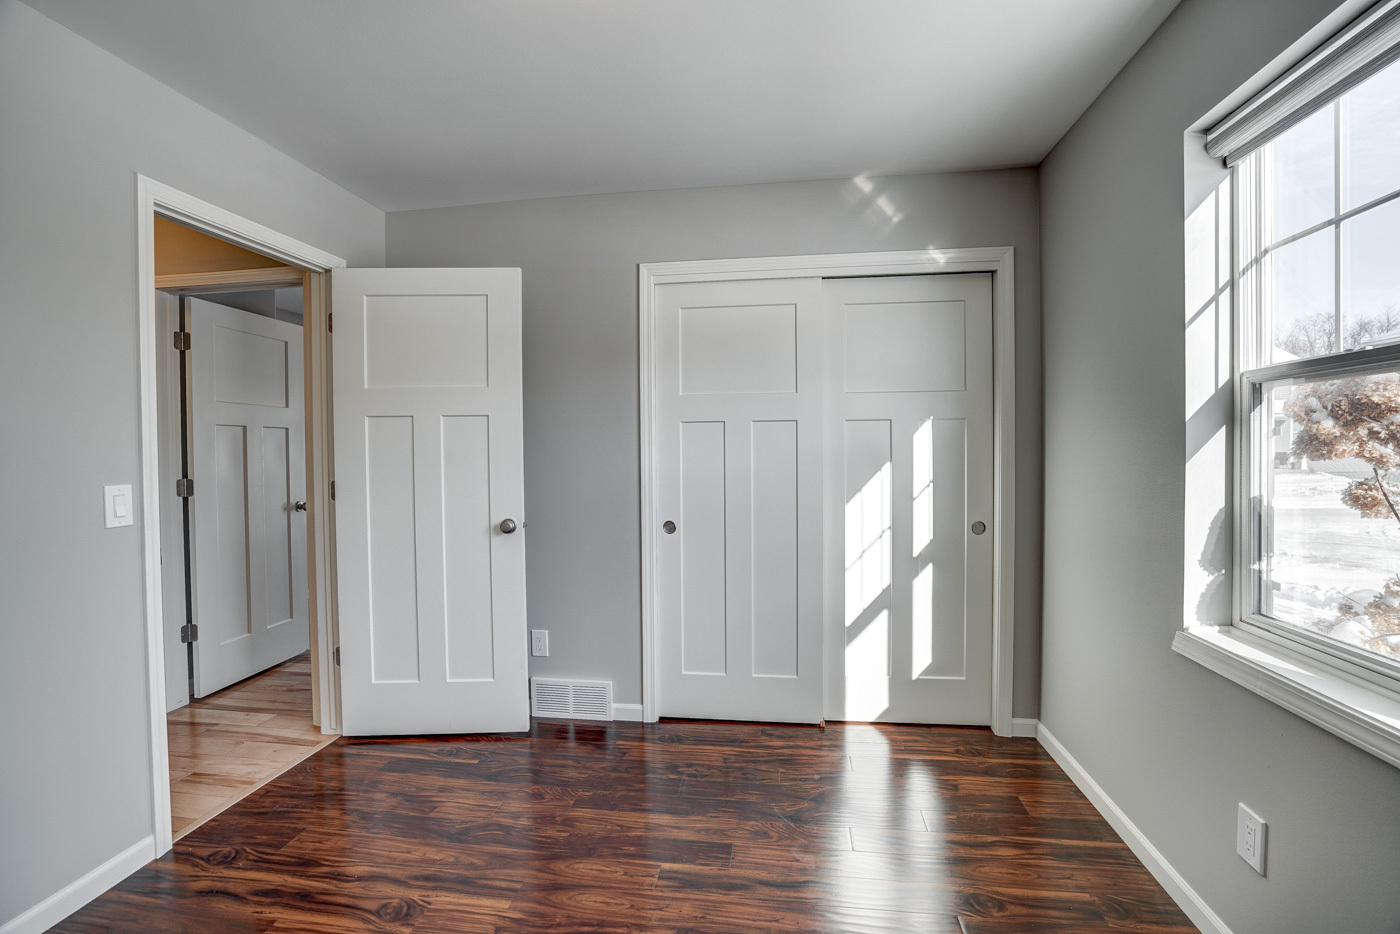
column 228, row 744
column 671, row 827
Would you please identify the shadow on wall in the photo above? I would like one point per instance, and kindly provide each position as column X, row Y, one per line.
column 1209, row 405
column 1215, row 562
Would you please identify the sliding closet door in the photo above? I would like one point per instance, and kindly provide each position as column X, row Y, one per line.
column 738, row 446
column 910, row 498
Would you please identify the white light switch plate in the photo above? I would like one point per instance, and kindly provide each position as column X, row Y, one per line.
column 117, row 505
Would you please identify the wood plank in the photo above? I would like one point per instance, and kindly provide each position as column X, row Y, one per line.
column 225, row 746
column 702, row 828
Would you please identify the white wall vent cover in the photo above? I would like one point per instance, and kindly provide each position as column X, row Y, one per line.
column 576, row 700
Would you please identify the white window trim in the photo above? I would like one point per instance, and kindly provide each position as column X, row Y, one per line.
column 1355, row 663
column 1348, row 692
column 1364, row 714
column 1358, row 51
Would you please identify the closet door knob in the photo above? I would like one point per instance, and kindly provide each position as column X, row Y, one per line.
column 668, row 527
column 507, row 526
column 299, row 505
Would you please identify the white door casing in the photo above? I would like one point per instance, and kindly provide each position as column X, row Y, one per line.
column 247, row 452
column 428, row 460
column 738, row 450
column 910, row 471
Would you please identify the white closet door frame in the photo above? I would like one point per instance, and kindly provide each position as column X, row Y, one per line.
column 996, row 260
column 153, row 198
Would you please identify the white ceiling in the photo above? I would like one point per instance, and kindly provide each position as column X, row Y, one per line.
column 440, row 102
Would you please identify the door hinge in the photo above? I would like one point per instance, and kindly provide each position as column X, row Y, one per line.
column 184, row 487
column 337, row 656
column 189, row 632
column 332, row 489
column 330, row 315
column 182, row 340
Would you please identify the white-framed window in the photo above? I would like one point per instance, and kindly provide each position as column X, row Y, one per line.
column 1317, row 221
column 1293, row 390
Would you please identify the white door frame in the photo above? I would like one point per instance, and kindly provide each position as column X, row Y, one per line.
column 153, row 198
column 996, row 260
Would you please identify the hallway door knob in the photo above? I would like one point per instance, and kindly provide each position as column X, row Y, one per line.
column 507, row 526
column 299, row 505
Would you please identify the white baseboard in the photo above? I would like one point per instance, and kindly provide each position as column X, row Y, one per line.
column 1024, row 726
column 78, row 893
column 631, row 712
column 1177, row 887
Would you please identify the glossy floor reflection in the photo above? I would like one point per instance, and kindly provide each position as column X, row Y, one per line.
column 695, row 827
column 226, row 745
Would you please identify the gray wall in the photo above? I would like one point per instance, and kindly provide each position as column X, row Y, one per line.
column 76, row 125
column 1176, row 746
column 580, row 258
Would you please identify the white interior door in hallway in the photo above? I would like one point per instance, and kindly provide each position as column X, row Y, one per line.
column 823, row 486
column 429, row 500
column 247, row 452
column 910, row 477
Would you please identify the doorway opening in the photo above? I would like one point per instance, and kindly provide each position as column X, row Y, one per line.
column 232, row 436
column 238, row 535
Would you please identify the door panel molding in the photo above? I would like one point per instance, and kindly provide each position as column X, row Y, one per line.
column 739, row 467
column 429, row 458
column 246, row 456
column 917, row 580
column 154, row 198
column 1000, row 262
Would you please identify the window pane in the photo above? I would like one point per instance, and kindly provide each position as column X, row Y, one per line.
column 1331, row 558
column 1303, row 294
column 1372, row 139
column 1371, row 277
column 1304, row 186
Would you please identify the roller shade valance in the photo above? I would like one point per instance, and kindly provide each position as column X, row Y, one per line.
column 1356, row 53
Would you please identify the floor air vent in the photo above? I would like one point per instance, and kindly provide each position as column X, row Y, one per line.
column 576, row 700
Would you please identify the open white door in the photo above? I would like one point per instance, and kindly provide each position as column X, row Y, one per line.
column 247, row 460
column 429, row 500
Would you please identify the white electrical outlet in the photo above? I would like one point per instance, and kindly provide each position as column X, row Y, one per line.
column 539, row 642
column 1251, row 838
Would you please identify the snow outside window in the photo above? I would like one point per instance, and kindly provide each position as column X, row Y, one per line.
column 1318, row 234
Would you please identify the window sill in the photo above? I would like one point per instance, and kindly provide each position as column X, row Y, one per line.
column 1364, row 715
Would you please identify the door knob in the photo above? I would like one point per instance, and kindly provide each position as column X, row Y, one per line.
column 978, row 528
column 299, row 505
column 668, row 527
column 507, row 526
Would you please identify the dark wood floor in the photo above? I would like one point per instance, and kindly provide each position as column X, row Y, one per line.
column 672, row 827
column 226, row 745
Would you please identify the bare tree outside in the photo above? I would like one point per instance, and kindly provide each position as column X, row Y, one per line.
column 1310, row 336
column 1368, row 330
column 1316, row 334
